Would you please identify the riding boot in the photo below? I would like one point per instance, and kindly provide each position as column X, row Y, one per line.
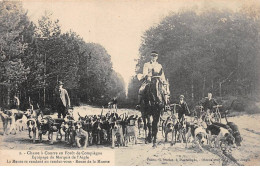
column 139, row 102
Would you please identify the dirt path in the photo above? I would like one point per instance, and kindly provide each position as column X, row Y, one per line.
column 164, row 153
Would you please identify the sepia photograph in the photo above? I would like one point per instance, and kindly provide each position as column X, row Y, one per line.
column 129, row 83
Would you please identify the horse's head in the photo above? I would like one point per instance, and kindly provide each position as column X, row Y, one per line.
column 156, row 92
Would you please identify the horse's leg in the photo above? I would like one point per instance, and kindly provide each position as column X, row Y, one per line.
column 145, row 128
column 149, row 125
column 155, row 122
column 160, row 124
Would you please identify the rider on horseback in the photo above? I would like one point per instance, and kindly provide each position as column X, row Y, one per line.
column 152, row 68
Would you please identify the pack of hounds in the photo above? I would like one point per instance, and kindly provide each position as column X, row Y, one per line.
column 118, row 130
column 110, row 128
column 201, row 131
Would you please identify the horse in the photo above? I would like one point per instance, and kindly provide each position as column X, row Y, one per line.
column 153, row 102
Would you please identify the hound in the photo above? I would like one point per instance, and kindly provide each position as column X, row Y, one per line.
column 81, row 135
column 198, row 133
column 6, row 120
column 222, row 135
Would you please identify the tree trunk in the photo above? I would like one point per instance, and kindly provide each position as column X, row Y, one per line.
column 44, row 96
column 8, row 96
column 212, row 84
column 39, row 96
column 44, row 80
column 192, row 91
column 203, row 90
column 220, row 94
column 20, row 94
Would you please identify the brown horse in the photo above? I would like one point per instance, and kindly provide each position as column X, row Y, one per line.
column 154, row 101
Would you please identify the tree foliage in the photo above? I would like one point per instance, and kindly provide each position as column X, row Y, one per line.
column 215, row 51
column 13, row 73
column 12, row 45
column 35, row 56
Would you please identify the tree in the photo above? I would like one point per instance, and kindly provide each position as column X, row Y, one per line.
column 34, row 57
column 133, row 88
column 13, row 20
column 213, row 51
column 116, row 86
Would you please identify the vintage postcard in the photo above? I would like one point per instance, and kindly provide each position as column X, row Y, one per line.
column 130, row 83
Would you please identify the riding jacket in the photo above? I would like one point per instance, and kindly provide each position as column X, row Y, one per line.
column 208, row 104
column 153, row 69
column 183, row 109
column 64, row 96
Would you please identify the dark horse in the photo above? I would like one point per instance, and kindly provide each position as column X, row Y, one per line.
column 153, row 102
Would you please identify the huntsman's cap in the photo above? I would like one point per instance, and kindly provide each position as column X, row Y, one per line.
column 61, row 83
column 154, row 53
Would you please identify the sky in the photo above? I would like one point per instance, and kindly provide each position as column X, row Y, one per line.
column 118, row 25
